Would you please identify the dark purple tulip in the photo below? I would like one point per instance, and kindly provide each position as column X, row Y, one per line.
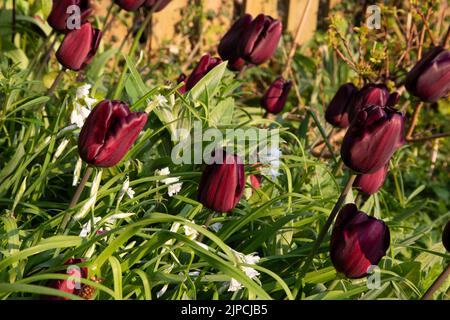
column 69, row 285
column 182, row 78
column 228, row 46
column 79, row 47
column 446, row 237
column 206, row 64
column 370, row 183
column 109, row 132
column 222, row 184
column 393, row 99
column 429, row 79
column 129, row 5
column 370, row 94
column 160, row 4
column 59, row 15
column 337, row 111
column 276, row 96
column 260, row 40
column 372, row 139
column 358, row 241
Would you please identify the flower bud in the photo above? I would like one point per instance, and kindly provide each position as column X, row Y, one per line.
column 156, row 5
column 71, row 285
column 109, row 132
column 276, row 96
column 206, row 64
column 61, row 11
column 260, row 40
column 130, row 5
column 429, row 79
column 370, row 94
column 358, row 242
column 222, row 184
column 372, row 139
column 79, row 47
column 370, row 183
column 228, row 46
column 337, row 111
column 446, row 237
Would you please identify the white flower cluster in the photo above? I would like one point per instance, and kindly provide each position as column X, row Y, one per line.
column 271, row 162
column 252, row 258
column 82, row 105
column 174, row 185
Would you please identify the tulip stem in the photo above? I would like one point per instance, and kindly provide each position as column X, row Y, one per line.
column 56, row 82
column 323, row 232
column 120, row 84
column 75, row 198
column 437, row 283
column 206, row 225
column 13, row 33
column 414, row 119
column 296, row 40
column 432, row 137
column 108, row 22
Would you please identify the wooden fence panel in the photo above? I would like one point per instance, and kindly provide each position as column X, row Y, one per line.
column 268, row 7
column 164, row 22
column 296, row 10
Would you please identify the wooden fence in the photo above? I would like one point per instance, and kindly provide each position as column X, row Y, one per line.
column 221, row 13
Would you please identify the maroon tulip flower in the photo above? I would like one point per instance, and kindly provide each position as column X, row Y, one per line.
column 222, row 184
column 182, row 79
column 228, row 46
column 70, row 285
column 156, row 5
column 372, row 139
column 109, row 132
column 79, row 47
column 255, row 181
column 446, row 237
column 429, row 79
column 370, row 94
column 206, row 64
column 276, row 96
column 337, row 111
column 358, row 242
column 130, row 5
column 59, row 15
column 370, row 183
column 260, row 40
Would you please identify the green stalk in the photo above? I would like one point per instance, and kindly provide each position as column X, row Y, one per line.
column 120, row 84
column 437, row 283
column 323, row 233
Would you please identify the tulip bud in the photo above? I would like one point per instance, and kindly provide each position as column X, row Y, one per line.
column 446, row 237
column 337, row 111
column 79, row 47
column 61, row 11
column 109, row 132
column 182, row 78
column 260, row 40
column 130, row 5
column 358, row 241
column 255, row 180
column 370, row 94
column 370, row 183
column 71, row 285
column 276, row 96
column 206, row 64
column 222, row 184
column 228, row 46
column 156, row 5
column 429, row 79
column 372, row 139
